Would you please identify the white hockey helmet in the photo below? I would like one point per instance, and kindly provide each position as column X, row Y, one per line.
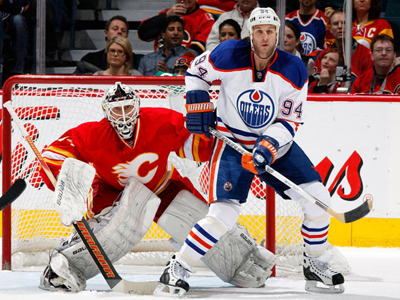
column 266, row 15
column 115, row 103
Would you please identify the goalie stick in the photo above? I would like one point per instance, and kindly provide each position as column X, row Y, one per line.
column 12, row 193
column 110, row 274
column 347, row 217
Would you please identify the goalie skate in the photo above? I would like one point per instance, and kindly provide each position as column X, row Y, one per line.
column 172, row 282
column 316, row 270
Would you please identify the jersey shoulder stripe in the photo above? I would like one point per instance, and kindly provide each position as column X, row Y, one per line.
column 290, row 68
column 231, row 55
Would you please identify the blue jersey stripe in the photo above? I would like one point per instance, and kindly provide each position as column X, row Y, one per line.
column 287, row 126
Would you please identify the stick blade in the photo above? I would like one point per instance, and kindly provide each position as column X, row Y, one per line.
column 16, row 189
column 138, row 288
column 358, row 212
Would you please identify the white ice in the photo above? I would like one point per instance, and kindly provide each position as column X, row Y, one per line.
column 375, row 275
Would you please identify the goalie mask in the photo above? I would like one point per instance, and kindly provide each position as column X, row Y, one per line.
column 121, row 108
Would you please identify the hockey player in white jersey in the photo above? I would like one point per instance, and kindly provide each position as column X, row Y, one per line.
column 261, row 104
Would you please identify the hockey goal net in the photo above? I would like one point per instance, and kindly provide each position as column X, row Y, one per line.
column 50, row 105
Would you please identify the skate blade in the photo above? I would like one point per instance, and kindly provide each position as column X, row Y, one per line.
column 169, row 291
column 311, row 286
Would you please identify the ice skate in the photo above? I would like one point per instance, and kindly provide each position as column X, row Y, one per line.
column 172, row 282
column 49, row 281
column 316, row 270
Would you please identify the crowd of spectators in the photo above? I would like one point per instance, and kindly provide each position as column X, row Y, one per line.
column 314, row 32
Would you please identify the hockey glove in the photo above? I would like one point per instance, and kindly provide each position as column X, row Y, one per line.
column 264, row 152
column 200, row 112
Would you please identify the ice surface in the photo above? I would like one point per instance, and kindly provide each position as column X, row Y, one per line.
column 375, row 275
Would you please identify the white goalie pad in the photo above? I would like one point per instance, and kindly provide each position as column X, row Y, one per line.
column 181, row 215
column 236, row 258
column 119, row 229
column 72, row 190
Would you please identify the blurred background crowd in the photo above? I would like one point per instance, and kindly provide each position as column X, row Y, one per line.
column 161, row 37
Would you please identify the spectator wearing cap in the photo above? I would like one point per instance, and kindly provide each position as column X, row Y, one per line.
column 183, row 63
column 164, row 58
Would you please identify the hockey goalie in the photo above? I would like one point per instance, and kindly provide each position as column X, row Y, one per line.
column 135, row 184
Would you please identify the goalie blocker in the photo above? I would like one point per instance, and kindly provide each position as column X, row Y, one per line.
column 236, row 258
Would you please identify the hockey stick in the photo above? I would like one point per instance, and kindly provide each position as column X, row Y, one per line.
column 110, row 274
column 12, row 193
column 347, row 217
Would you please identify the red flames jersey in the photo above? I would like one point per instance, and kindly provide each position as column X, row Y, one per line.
column 371, row 83
column 366, row 33
column 158, row 132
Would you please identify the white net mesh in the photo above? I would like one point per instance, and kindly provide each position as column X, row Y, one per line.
column 48, row 110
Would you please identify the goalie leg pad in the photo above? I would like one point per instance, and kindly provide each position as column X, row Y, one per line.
column 236, row 258
column 118, row 230
column 181, row 215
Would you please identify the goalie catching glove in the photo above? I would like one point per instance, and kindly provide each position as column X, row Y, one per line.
column 265, row 152
column 200, row 113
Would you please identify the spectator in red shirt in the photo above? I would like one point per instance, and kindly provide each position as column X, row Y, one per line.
column 327, row 82
column 197, row 24
column 366, row 21
column 384, row 77
column 360, row 55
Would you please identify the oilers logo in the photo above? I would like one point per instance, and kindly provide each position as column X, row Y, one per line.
column 255, row 108
column 308, row 42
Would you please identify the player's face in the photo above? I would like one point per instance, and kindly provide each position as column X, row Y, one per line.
column 247, row 5
column 383, row 54
column 227, row 33
column 264, row 40
column 338, row 25
column 116, row 55
column 173, row 35
column 330, row 62
column 117, row 27
column 290, row 41
column 362, row 5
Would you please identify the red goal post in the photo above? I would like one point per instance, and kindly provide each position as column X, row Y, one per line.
column 49, row 105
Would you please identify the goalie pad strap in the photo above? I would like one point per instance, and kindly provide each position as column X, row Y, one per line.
column 118, row 230
column 199, row 107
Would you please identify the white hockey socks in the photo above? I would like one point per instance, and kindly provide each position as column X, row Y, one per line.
column 222, row 216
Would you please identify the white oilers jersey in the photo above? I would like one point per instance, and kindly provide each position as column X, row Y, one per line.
column 247, row 107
